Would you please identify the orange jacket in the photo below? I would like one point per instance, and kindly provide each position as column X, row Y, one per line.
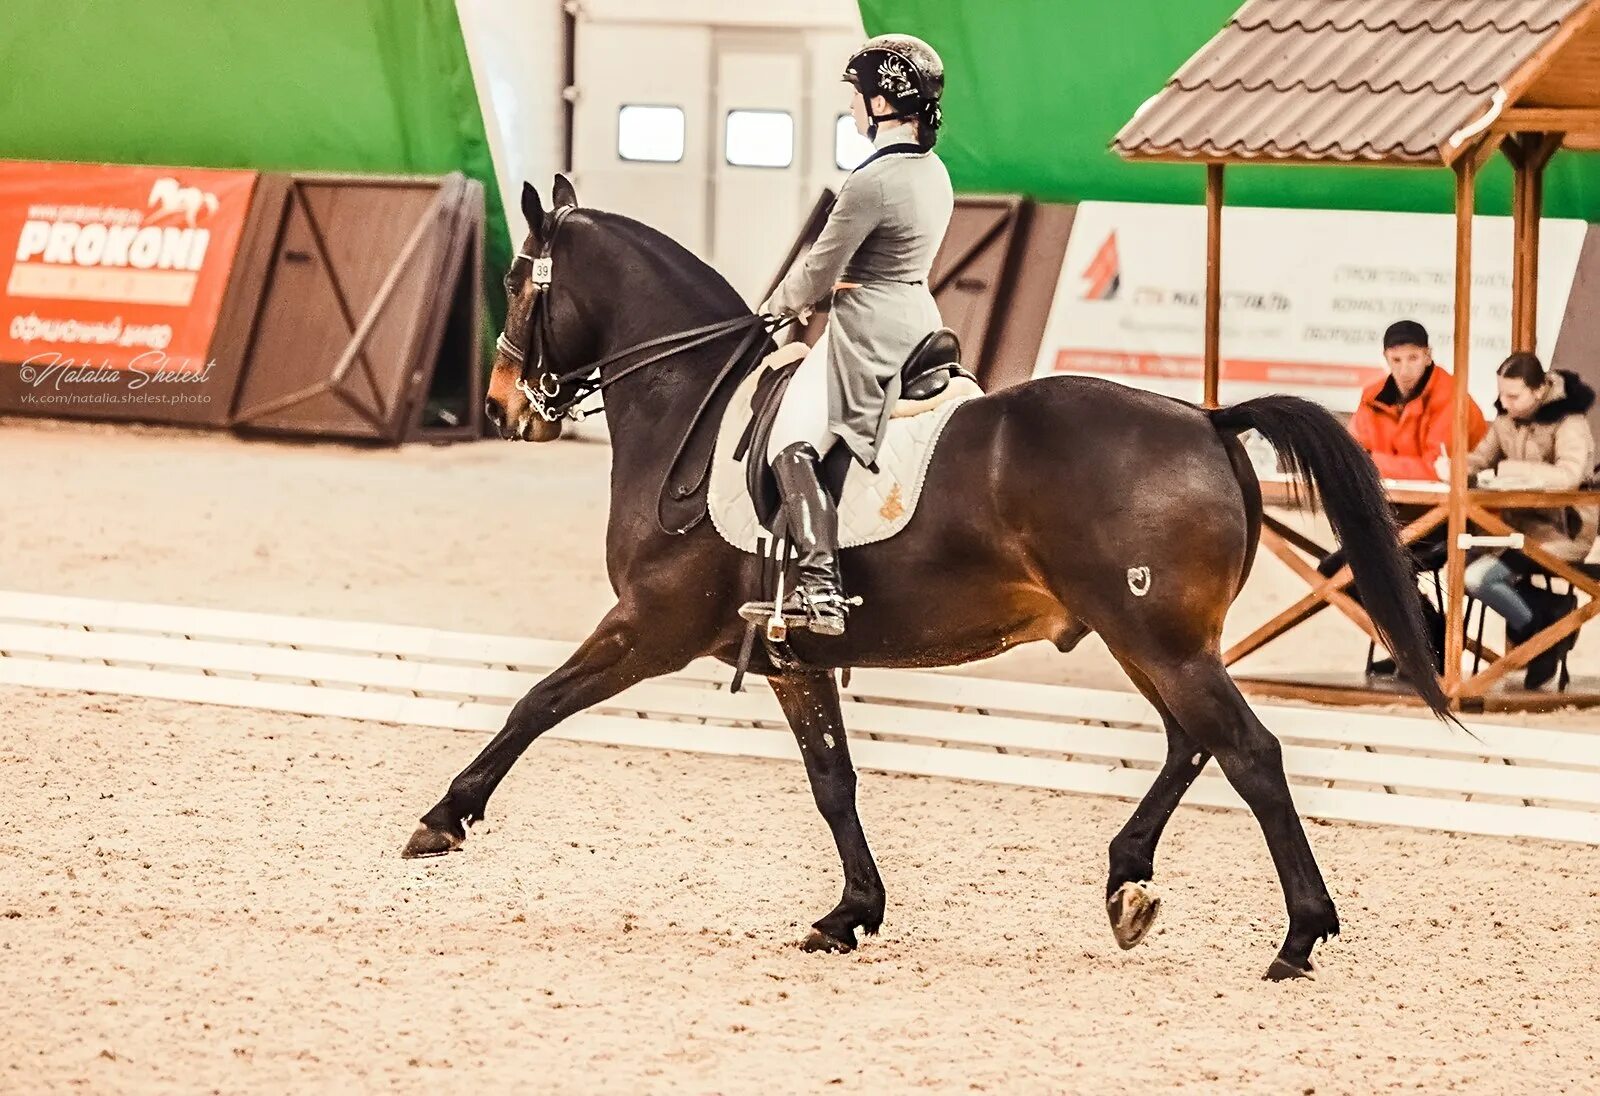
column 1405, row 438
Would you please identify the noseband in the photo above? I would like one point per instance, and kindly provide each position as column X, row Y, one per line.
column 549, row 383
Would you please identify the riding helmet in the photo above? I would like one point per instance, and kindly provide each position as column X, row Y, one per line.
column 909, row 75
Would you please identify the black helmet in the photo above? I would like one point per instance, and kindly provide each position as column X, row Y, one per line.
column 907, row 73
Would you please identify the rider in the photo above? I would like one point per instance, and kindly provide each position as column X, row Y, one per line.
column 873, row 256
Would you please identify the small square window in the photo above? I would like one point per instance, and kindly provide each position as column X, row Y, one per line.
column 849, row 147
column 759, row 138
column 650, row 134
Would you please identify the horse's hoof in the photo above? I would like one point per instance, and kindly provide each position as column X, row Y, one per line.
column 427, row 841
column 1133, row 911
column 821, row 941
column 1282, row 970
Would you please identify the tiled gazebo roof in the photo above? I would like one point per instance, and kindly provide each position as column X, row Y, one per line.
column 1405, row 81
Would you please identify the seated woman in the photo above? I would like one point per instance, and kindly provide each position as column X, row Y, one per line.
column 1541, row 440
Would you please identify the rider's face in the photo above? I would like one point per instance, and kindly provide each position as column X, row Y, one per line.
column 858, row 110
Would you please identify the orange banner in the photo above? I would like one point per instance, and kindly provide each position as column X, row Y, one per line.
column 106, row 267
column 1122, row 363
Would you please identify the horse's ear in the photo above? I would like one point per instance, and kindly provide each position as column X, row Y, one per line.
column 532, row 210
column 562, row 193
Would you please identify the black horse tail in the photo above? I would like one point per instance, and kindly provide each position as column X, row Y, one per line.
column 1327, row 462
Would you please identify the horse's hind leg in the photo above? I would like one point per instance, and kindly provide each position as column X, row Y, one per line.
column 1131, row 902
column 1212, row 712
column 810, row 700
column 614, row 657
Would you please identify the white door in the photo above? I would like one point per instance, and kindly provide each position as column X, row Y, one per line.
column 721, row 137
column 642, row 127
column 759, row 177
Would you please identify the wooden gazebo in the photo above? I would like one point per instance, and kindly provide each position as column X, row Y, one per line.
column 1405, row 83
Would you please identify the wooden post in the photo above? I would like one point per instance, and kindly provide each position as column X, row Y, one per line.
column 1213, row 354
column 1517, row 152
column 1529, row 153
column 1466, row 170
column 1540, row 148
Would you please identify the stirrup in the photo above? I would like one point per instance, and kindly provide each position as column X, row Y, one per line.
column 758, row 612
column 775, row 623
column 826, row 610
column 795, row 614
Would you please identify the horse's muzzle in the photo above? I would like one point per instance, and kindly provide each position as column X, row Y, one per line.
column 527, row 426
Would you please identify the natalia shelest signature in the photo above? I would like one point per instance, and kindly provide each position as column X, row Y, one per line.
column 153, row 367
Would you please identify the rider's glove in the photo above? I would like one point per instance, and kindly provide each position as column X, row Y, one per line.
column 767, row 309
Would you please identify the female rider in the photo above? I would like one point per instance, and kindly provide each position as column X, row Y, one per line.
column 873, row 256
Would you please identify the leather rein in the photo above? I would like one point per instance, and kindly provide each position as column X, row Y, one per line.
column 586, row 380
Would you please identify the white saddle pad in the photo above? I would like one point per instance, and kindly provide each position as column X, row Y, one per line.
column 875, row 506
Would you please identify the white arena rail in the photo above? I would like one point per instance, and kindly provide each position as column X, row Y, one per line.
column 1375, row 768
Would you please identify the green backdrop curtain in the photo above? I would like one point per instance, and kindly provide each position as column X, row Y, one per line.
column 356, row 85
column 1036, row 89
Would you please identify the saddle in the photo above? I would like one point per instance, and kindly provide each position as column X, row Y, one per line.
column 932, row 365
column 682, row 503
column 874, row 503
column 932, row 378
column 926, row 375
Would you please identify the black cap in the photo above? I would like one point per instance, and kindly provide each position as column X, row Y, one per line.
column 1405, row 333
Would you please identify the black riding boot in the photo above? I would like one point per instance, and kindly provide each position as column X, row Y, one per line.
column 814, row 528
column 1547, row 609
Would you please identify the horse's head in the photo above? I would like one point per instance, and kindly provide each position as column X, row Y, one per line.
column 523, row 383
column 594, row 298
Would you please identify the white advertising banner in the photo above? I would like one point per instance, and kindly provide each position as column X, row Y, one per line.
column 1306, row 295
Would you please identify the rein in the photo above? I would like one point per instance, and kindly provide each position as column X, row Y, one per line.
column 586, row 380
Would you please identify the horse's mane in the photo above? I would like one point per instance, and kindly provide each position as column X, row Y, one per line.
column 689, row 271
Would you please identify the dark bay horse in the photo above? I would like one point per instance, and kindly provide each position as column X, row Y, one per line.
column 1055, row 508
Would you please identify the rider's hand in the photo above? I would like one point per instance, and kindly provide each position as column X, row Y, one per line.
column 767, row 309
column 1441, row 465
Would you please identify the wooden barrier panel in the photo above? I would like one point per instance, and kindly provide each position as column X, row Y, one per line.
column 1369, row 768
column 973, row 274
column 372, row 306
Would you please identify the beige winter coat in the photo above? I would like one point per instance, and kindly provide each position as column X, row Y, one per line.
column 1554, row 450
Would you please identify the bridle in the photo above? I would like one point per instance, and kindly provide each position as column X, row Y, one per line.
column 586, row 380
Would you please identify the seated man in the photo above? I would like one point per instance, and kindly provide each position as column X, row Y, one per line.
column 1404, row 421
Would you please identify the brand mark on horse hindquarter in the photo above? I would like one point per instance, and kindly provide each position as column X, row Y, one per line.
column 1139, row 580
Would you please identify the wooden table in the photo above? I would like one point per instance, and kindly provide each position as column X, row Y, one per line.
column 1480, row 516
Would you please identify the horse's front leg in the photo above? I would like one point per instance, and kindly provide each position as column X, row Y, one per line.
column 810, row 699
column 614, row 657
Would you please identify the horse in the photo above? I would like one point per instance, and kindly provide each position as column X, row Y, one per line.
column 1053, row 509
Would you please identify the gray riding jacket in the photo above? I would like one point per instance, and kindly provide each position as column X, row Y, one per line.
column 883, row 233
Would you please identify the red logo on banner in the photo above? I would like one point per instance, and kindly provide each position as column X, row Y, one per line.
column 1104, row 272
column 113, row 267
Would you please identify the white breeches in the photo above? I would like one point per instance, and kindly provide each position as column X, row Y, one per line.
column 803, row 414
